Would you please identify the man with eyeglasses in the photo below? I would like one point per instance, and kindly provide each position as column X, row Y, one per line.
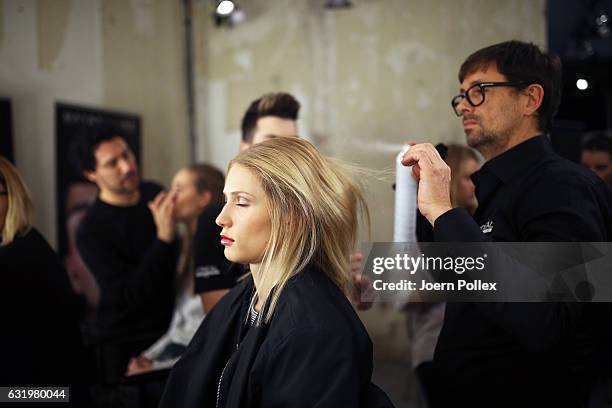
column 513, row 354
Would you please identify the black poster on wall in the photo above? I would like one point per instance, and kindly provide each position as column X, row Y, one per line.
column 6, row 129
column 74, row 193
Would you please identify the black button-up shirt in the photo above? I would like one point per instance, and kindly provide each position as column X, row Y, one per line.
column 518, row 354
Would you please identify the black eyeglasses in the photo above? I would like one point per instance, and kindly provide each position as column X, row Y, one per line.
column 475, row 94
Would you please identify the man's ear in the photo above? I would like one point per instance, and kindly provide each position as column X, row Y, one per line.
column 535, row 97
column 90, row 175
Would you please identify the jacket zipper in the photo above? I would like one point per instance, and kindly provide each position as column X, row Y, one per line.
column 219, row 386
column 247, row 322
column 221, row 379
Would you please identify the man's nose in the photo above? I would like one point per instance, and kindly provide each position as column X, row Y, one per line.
column 125, row 166
column 464, row 106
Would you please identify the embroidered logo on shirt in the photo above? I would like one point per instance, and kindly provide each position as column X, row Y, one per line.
column 207, row 271
column 486, row 228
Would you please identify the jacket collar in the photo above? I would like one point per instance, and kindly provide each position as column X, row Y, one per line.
column 519, row 159
column 510, row 165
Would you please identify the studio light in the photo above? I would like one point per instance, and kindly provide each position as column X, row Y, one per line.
column 225, row 8
column 582, row 84
column 228, row 13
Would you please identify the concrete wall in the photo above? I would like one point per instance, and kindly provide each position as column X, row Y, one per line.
column 118, row 55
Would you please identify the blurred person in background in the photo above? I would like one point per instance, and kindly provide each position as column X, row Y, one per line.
column 128, row 241
column 596, row 155
column 41, row 341
column 199, row 189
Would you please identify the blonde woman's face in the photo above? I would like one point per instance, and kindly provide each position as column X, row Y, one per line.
column 3, row 206
column 244, row 218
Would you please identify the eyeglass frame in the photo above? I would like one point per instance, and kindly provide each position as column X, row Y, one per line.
column 482, row 86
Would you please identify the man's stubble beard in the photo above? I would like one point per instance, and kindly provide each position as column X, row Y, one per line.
column 486, row 140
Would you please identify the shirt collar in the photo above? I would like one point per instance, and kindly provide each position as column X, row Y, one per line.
column 516, row 161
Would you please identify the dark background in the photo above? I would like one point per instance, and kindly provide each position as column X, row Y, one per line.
column 6, row 129
column 585, row 48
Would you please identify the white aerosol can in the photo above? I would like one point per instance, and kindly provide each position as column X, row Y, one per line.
column 404, row 227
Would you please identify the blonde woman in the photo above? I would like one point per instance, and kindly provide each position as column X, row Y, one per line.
column 41, row 344
column 287, row 335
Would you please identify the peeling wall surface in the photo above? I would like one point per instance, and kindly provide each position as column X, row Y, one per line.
column 48, row 53
column 143, row 72
column 116, row 55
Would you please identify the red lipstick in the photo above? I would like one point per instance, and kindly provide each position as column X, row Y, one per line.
column 226, row 241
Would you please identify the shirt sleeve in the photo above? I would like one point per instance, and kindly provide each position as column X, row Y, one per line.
column 124, row 286
column 211, row 269
column 558, row 209
column 457, row 225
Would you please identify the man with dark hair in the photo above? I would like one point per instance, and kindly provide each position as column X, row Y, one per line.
column 597, row 156
column 513, row 354
column 127, row 241
column 273, row 114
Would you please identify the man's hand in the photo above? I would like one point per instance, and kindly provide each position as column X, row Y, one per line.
column 162, row 208
column 139, row 365
column 363, row 293
column 433, row 176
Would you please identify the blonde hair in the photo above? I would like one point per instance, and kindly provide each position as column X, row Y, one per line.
column 314, row 208
column 20, row 211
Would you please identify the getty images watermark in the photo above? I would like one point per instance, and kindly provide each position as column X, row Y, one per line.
column 490, row 271
column 433, row 264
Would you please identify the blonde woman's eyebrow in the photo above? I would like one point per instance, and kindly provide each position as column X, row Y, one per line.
column 235, row 193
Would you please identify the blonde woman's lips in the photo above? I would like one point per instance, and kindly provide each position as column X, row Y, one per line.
column 226, row 241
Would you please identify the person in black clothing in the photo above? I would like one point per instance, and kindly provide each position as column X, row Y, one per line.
column 127, row 239
column 41, row 341
column 287, row 334
column 513, row 354
column 596, row 155
column 272, row 114
column 214, row 275
column 198, row 188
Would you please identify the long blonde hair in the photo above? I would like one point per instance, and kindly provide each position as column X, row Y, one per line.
column 314, row 208
column 20, row 211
